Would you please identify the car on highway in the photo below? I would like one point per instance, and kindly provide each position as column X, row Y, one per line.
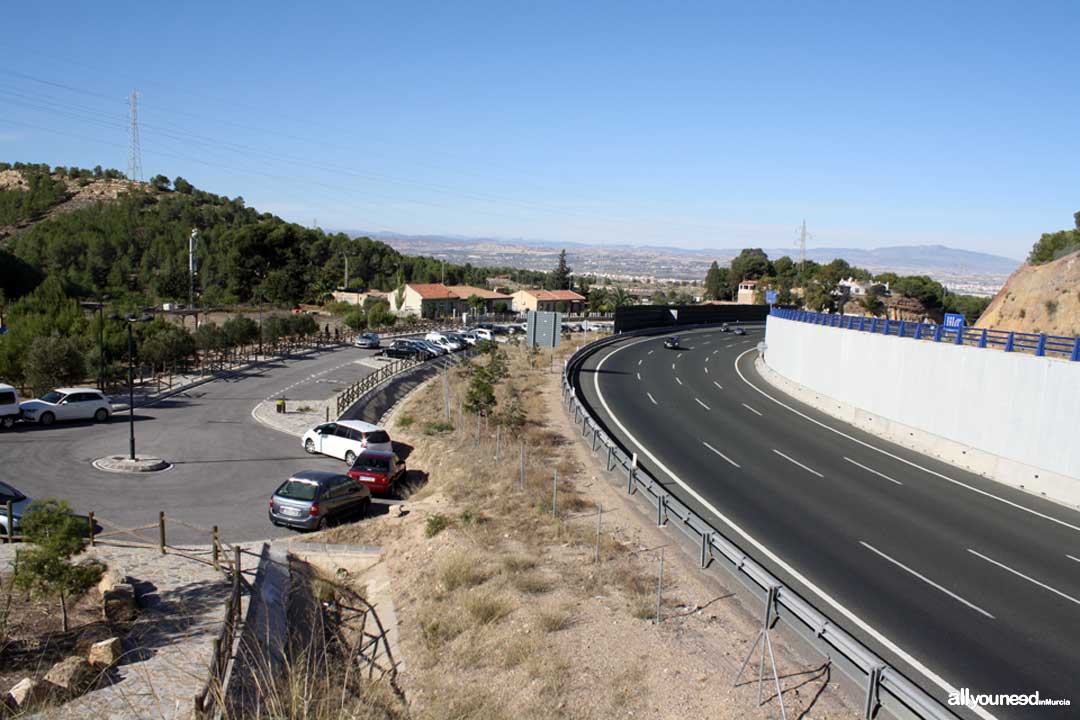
column 346, row 439
column 376, row 470
column 9, row 406
column 368, row 341
column 18, row 501
column 672, row 343
column 67, row 404
column 725, row 328
column 739, row 331
column 311, row 499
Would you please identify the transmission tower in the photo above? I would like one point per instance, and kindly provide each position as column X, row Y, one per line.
column 134, row 152
column 802, row 249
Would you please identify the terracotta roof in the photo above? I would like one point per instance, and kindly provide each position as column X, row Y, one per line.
column 564, row 295
column 465, row 291
column 432, row 291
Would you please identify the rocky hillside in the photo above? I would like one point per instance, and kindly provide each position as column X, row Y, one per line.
column 79, row 193
column 1039, row 299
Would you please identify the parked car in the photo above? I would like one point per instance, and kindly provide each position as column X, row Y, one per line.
column 484, row 334
column 672, row 343
column 18, row 506
column 377, row 471
column 9, row 406
column 67, row 404
column 429, row 347
column 345, row 439
column 368, row 341
column 443, row 341
column 461, row 338
column 739, row 331
column 310, row 499
column 404, row 349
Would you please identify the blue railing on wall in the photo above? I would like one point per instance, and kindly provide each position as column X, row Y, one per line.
column 1042, row 345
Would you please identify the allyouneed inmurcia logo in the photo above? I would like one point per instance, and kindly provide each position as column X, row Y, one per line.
column 966, row 698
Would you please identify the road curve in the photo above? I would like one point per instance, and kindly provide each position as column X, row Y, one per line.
column 952, row 578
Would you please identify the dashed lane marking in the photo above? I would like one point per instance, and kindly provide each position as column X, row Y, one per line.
column 926, row 580
column 810, row 470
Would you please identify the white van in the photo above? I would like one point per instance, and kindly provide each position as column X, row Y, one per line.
column 442, row 341
column 345, row 439
column 9, row 406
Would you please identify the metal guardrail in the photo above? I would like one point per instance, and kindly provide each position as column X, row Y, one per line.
column 1037, row 344
column 886, row 688
column 354, row 392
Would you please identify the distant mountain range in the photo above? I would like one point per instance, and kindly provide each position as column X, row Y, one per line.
column 960, row 269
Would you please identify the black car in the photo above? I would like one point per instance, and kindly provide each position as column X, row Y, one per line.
column 672, row 343
column 404, row 349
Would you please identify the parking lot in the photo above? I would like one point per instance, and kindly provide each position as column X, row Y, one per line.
column 225, row 463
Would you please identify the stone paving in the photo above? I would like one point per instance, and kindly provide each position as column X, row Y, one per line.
column 167, row 653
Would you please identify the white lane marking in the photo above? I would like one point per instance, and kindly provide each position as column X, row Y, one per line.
column 651, row 352
column 707, row 342
column 678, row 380
column 872, row 470
column 672, row 366
column 1072, row 557
column 751, row 409
column 730, row 346
column 810, row 470
column 1044, row 586
column 865, row 444
column 718, row 385
column 715, row 351
column 706, row 369
column 638, row 376
column 702, row 404
column 640, row 361
column 927, row 580
column 651, row 398
column 773, row 557
column 720, row 453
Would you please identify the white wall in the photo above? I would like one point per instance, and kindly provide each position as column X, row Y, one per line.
column 1010, row 416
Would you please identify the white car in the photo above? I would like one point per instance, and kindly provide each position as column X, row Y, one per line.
column 9, row 406
column 67, row 404
column 442, row 341
column 345, row 439
column 483, row 334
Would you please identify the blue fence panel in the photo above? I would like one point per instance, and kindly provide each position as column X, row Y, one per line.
column 1041, row 345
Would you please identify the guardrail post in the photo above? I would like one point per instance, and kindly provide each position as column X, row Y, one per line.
column 594, row 438
column 1009, row 342
column 873, row 684
column 661, row 511
column 862, row 322
column 90, row 522
column 937, row 332
column 903, row 327
column 1076, row 350
column 706, row 550
column 886, row 331
column 873, row 325
column 610, row 450
column 982, row 340
column 1040, row 348
column 959, row 336
column 630, row 475
column 161, row 531
column 918, row 331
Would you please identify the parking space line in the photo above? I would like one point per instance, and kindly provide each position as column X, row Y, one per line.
column 678, row 380
column 872, row 470
column 720, row 453
column 1044, row 586
column 718, row 385
column 926, row 580
column 796, row 462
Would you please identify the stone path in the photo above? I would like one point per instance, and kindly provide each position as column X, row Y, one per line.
column 167, row 653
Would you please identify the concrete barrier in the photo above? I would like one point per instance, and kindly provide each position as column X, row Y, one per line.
column 1009, row 417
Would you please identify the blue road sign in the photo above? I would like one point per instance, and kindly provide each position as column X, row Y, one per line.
column 770, row 297
column 954, row 321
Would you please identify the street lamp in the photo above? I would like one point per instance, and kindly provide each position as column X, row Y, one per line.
column 131, row 320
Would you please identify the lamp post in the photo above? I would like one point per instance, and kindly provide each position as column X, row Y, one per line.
column 131, row 320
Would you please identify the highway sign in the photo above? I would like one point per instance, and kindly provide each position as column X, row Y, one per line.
column 770, row 297
column 544, row 329
column 954, row 321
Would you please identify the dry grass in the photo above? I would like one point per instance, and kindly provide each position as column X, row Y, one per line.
column 462, row 571
column 554, row 619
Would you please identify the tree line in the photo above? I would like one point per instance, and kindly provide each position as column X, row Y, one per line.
column 1051, row 246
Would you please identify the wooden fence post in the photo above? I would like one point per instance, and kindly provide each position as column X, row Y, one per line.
column 90, row 519
column 236, row 568
column 161, row 531
column 215, row 547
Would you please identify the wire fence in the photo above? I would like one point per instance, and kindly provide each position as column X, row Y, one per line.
column 1040, row 344
column 885, row 687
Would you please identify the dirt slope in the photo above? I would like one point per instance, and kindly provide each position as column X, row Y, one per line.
column 1039, row 299
column 79, row 196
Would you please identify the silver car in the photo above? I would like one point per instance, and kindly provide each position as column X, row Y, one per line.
column 18, row 507
column 312, row 499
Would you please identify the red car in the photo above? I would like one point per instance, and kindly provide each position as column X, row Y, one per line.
column 377, row 470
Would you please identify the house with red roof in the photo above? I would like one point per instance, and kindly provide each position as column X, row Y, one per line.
column 566, row 301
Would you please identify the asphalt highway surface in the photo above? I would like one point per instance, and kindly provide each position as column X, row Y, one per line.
column 952, row 578
column 225, row 463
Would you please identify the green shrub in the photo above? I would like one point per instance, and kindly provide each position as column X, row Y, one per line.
column 436, row 524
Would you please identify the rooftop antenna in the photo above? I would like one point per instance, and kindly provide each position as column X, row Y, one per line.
column 134, row 152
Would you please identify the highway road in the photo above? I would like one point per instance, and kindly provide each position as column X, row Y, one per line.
column 952, row 578
column 226, row 463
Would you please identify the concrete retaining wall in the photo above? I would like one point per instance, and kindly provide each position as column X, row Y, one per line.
column 1008, row 416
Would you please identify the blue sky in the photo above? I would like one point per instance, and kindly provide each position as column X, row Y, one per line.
column 691, row 124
